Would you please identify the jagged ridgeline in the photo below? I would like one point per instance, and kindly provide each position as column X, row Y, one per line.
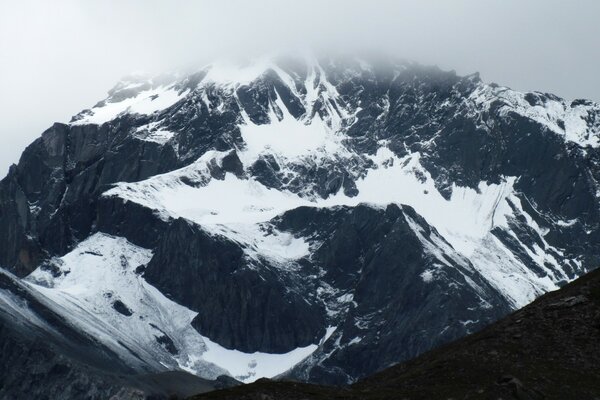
column 319, row 219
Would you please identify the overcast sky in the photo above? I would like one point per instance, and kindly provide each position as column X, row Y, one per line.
column 61, row 56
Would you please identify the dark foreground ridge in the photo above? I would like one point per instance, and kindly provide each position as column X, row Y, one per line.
column 547, row 350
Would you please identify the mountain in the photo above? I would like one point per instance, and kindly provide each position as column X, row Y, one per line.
column 321, row 219
column 547, row 350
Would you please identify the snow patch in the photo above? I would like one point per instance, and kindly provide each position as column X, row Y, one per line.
column 248, row 367
column 146, row 102
column 572, row 121
column 152, row 133
column 287, row 137
column 262, row 242
column 427, row 276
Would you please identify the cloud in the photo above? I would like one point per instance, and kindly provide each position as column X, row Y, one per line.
column 61, row 56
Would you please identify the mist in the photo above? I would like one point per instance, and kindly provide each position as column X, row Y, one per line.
column 59, row 57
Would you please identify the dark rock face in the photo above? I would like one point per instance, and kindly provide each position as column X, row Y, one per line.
column 209, row 274
column 53, row 375
column 51, row 196
column 547, row 350
column 18, row 250
column 138, row 224
column 376, row 256
column 371, row 256
column 122, row 308
column 382, row 275
column 49, row 201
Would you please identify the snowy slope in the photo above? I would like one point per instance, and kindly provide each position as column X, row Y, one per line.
column 577, row 121
column 96, row 287
column 135, row 95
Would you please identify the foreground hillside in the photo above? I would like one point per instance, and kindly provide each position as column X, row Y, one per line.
column 547, row 350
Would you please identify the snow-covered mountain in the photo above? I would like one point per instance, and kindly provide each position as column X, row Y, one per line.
column 321, row 219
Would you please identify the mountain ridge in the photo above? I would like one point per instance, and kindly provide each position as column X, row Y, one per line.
column 305, row 213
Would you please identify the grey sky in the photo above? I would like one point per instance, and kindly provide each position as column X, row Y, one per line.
column 58, row 57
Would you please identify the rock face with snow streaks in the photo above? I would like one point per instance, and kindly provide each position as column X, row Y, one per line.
column 332, row 217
